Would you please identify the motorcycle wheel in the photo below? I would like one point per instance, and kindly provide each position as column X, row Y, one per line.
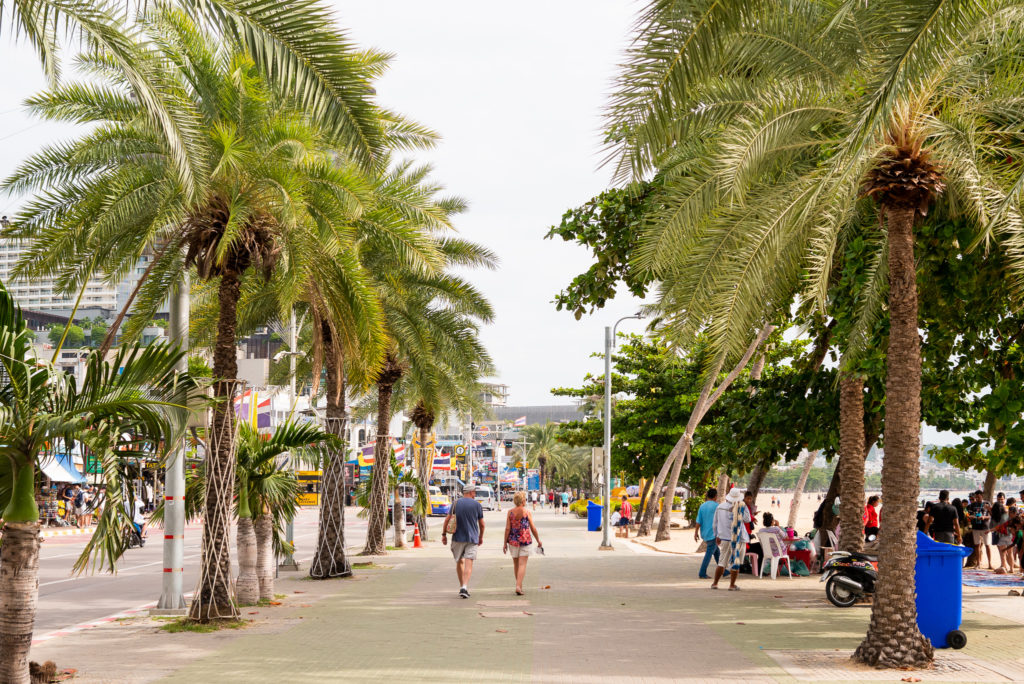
column 839, row 595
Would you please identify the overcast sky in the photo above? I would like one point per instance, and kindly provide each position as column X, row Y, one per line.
column 516, row 93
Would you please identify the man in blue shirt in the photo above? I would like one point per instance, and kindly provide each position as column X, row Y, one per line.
column 469, row 534
column 706, row 530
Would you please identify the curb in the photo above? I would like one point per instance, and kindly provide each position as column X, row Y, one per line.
column 65, row 532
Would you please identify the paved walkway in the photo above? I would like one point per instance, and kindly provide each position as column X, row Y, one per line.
column 588, row 616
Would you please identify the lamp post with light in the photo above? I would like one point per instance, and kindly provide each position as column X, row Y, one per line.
column 606, row 493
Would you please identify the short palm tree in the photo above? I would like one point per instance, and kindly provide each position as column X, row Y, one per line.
column 138, row 392
column 778, row 126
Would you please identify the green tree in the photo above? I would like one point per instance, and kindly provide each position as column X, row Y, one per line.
column 75, row 338
column 784, row 124
column 137, row 392
column 544, row 446
column 97, row 332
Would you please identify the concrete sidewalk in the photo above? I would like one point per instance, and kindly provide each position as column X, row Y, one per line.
column 627, row 615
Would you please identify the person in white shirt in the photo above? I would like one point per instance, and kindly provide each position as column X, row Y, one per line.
column 732, row 536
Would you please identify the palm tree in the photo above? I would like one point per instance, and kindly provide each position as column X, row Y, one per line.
column 432, row 324
column 138, row 392
column 544, row 446
column 395, row 477
column 777, row 127
column 269, row 180
column 298, row 49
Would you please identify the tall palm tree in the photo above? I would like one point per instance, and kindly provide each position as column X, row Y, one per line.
column 138, row 392
column 777, row 127
column 544, row 446
column 269, row 182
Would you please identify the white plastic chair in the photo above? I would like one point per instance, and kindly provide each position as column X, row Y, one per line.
column 773, row 552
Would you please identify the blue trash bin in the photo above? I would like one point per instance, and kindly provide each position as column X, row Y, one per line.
column 939, row 580
column 593, row 516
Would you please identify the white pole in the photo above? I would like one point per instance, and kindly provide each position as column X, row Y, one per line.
column 606, row 489
column 172, row 598
column 289, row 562
column 497, row 473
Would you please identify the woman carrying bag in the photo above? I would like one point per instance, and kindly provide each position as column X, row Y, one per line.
column 518, row 530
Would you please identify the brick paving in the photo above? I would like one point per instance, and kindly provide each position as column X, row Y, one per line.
column 630, row 615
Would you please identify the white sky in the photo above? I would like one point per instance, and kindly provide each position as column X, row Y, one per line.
column 516, row 93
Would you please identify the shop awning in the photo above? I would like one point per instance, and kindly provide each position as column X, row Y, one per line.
column 59, row 468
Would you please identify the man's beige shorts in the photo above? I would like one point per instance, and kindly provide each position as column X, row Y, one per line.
column 464, row 550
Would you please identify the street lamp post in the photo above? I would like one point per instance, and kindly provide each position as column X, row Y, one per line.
column 606, row 494
column 289, row 562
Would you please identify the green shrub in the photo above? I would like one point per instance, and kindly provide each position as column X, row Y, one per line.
column 691, row 506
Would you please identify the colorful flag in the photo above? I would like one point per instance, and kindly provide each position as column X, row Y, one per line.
column 520, row 422
column 443, row 462
column 399, row 452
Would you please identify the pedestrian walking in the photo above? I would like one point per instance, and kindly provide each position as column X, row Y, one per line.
column 625, row 517
column 468, row 535
column 705, row 531
column 565, row 503
column 731, row 519
column 519, row 535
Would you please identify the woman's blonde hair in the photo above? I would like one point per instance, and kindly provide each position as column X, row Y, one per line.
column 519, row 499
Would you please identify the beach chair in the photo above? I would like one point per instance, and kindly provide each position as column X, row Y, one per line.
column 774, row 553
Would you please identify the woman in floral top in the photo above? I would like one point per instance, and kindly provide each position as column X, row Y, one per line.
column 518, row 530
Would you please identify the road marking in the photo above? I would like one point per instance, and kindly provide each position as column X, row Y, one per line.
column 119, row 573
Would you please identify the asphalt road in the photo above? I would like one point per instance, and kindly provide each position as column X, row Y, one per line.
column 66, row 599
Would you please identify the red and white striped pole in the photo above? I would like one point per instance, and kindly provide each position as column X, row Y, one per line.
column 172, row 598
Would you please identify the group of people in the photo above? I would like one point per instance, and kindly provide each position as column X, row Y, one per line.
column 465, row 524
column 979, row 524
column 726, row 529
column 80, row 503
column 560, row 500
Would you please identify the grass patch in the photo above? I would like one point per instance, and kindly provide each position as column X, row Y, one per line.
column 280, row 596
column 186, row 625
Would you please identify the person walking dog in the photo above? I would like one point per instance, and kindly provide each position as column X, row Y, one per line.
column 519, row 535
column 467, row 535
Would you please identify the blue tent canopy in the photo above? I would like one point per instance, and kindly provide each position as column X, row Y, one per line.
column 60, row 468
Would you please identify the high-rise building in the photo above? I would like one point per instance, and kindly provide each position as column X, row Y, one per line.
column 100, row 298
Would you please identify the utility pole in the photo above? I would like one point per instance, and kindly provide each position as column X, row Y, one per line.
column 289, row 562
column 172, row 597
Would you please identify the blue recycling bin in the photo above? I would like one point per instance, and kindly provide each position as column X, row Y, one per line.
column 593, row 516
column 939, row 580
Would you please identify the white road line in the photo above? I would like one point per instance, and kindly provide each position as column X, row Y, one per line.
column 120, row 572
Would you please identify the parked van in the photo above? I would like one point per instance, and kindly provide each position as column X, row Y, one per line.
column 485, row 495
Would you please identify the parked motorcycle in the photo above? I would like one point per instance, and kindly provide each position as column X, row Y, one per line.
column 849, row 577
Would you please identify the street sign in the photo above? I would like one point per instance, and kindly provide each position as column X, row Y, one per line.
column 460, row 450
column 484, row 430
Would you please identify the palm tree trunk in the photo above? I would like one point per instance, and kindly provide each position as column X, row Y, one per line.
column 330, row 559
column 399, row 521
column 247, row 585
column 652, row 507
column 426, row 470
column 377, row 523
column 798, row 492
column 851, row 462
column 705, row 401
column 893, row 639
column 264, row 525
column 19, row 593
column 214, row 598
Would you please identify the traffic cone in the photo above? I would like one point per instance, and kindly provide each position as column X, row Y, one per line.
column 416, row 544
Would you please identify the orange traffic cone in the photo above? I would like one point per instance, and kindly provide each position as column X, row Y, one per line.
column 416, row 544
